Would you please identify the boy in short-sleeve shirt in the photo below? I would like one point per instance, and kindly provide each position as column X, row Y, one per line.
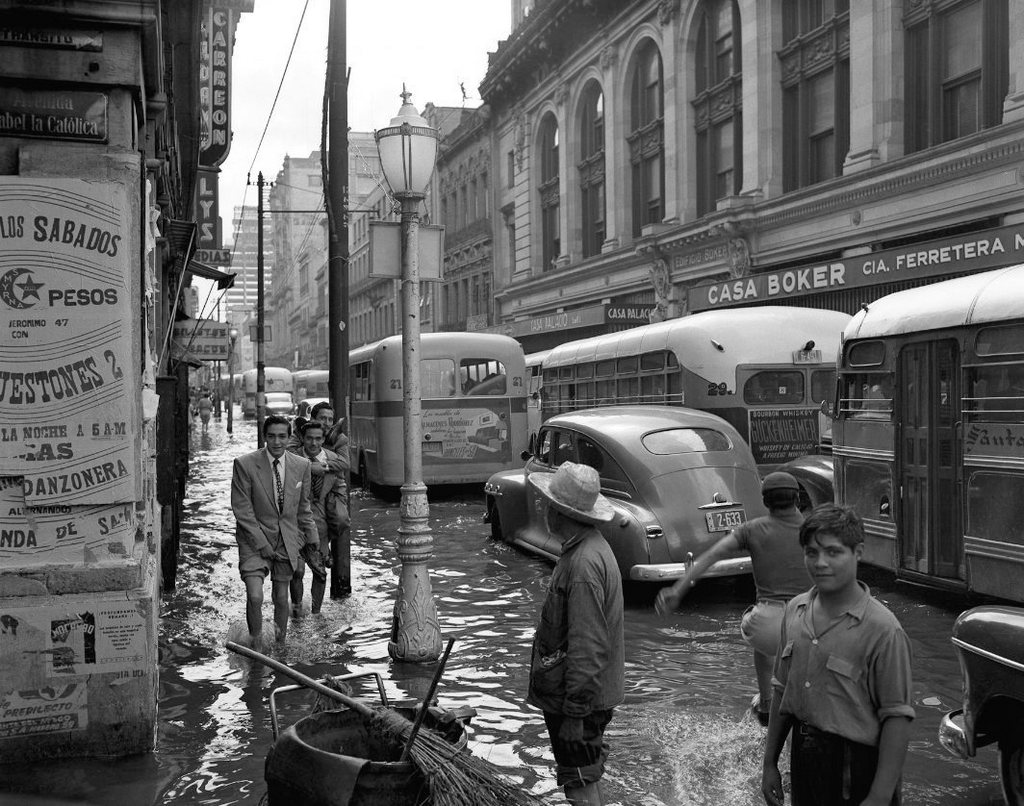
column 842, row 680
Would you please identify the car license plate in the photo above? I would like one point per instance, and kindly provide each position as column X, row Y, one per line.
column 724, row 521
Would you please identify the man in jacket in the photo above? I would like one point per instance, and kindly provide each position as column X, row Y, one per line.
column 578, row 665
column 273, row 520
column 327, row 501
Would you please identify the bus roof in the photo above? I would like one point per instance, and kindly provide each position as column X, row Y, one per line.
column 716, row 341
column 442, row 344
column 991, row 296
column 304, row 374
column 533, row 359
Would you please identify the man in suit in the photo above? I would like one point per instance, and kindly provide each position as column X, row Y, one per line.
column 273, row 520
column 327, row 500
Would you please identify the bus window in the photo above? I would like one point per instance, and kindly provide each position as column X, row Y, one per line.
column 1000, row 340
column 481, row 376
column 868, row 489
column 995, row 507
column 605, row 393
column 585, row 371
column 652, row 389
column 823, row 384
column 867, row 395
column 437, row 377
column 605, row 369
column 996, row 393
column 627, row 365
column 585, row 394
column 628, row 389
column 866, row 354
column 652, row 362
column 774, row 387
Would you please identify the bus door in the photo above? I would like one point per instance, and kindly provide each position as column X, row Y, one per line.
column 931, row 533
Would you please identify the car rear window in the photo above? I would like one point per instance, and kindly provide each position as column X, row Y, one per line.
column 686, row 440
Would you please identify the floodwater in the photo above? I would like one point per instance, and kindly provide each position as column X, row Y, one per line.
column 683, row 737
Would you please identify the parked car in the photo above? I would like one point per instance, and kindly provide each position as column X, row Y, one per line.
column 679, row 479
column 989, row 642
column 305, row 406
column 279, row 403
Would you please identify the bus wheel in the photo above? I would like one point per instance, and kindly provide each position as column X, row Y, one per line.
column 496, row 524
column 1011, row 770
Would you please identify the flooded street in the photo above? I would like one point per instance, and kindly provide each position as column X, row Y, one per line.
column 682, row 737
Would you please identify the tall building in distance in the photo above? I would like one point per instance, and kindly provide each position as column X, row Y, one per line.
column 240, row 299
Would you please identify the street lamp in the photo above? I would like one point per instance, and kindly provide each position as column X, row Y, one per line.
column 233, row 334
column 408, row 149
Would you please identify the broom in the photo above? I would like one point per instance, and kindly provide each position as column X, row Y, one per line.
column 455, row 778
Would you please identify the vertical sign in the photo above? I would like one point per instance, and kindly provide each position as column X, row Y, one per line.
column 215, row 84
column 207, row 210
column 68, row 391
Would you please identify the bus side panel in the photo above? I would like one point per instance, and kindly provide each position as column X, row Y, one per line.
column 466, row 440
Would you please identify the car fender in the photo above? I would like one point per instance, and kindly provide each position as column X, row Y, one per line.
column 815, row 474
column 506, row 493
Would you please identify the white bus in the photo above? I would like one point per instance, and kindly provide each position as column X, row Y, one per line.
column 765, row 370
column 929, row 432
column 473, row 393
column 275, row 379
column 534, row 375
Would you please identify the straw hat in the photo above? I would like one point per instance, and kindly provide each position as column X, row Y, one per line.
column 575, row 490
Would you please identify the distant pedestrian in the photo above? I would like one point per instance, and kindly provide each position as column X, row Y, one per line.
column 327, row 501
column 777, row 560
column 578, row 663
column 273, row 522
column 842, row 680
column 205, row 406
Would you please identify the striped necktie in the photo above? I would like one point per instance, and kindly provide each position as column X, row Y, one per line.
column 279, row 486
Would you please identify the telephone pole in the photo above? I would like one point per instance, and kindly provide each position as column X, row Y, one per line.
column 261, row 380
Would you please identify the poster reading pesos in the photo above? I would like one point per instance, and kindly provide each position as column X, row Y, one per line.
column 67, row 387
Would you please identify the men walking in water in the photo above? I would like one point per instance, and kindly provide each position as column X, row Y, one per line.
column 578, row 664
column 773, row 541
column 327, row 501
column 270, row 501
column 842, row 682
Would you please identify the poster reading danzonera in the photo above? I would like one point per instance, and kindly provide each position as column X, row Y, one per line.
column 67, row 385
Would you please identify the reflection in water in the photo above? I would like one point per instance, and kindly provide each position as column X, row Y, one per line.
column 683, row 736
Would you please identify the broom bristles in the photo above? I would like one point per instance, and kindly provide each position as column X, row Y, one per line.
column 455, row 777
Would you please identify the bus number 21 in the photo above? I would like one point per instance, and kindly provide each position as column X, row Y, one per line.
column 396, row 383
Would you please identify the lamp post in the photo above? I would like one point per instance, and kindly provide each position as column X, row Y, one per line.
column 408, row 149
column 233, row 335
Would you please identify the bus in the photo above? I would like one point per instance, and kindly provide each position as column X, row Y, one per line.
column 275, row 379
column 473, row 395
column 928, row 437
column 534, row 369
column 311, row 383
column 765, row 370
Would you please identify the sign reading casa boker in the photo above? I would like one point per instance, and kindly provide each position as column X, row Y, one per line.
column 980, row 250
column 68, row 390
column 205, row 339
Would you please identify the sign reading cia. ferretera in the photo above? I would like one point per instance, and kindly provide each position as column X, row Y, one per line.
column 67, row 387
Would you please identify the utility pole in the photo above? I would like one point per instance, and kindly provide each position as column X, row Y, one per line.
column 336, row 200
column 261, row 380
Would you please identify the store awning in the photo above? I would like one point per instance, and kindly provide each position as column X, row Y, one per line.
column 223, row 279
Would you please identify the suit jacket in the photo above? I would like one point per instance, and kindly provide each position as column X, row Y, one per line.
column 329, row 510
column 253, row 502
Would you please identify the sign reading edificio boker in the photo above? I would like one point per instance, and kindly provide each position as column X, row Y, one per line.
column 67, row 389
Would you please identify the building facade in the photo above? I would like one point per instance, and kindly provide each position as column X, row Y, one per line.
column 99, row 151
column 657, row 157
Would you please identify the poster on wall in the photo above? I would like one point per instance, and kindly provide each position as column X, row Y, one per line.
column 52, row 709
column 83, row 638
column 49, row 535
column 67, row 382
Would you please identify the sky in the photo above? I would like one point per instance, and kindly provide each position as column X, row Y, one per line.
column 431, row 45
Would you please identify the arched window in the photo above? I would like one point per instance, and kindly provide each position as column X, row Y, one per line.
column 718, row 104
column 591, row 169
column 646, row 139
column 815, row 61
column 548, row 188
column 956, row 69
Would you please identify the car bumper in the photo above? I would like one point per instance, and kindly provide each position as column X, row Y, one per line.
column 665, row 572
column 953, row 734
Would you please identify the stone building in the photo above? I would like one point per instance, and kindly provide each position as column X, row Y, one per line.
column 662, row 156
column 99, row 148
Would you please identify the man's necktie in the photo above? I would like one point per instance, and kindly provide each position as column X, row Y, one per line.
column 279, row 486
column 316, row 485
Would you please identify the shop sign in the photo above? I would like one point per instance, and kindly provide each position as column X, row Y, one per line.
column 627, row 314
column 974, row 252
column 205, row 339
column 68, row 386
column 207, row 210
column 215, row 84
column 778, row 435
column 213, row 257
column 51, row 38
column 704, row 256
column 53, row 114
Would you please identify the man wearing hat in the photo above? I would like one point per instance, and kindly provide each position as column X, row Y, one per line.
column 777, row 560
column 578, row 665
